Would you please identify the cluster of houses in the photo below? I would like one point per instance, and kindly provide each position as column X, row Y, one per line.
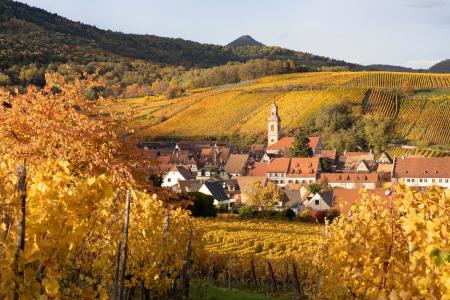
column 220, row 171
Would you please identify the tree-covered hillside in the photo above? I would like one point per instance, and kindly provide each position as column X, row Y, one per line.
column 34, row 41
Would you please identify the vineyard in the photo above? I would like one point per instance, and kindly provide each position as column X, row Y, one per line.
column 420, row 114
column 332, row 261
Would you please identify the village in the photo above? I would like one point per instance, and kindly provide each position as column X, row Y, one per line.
column 218, row 170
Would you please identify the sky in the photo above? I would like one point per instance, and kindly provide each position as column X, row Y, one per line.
column 412, row 33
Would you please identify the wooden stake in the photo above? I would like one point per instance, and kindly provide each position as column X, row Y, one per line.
column 117, row 270
column 229, row 273
column 272, row 276
column 125, row 245
column 254, row 273
column 22, row 189
column 296, row 281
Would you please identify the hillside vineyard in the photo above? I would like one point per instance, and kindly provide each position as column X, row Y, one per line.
column 418, row 103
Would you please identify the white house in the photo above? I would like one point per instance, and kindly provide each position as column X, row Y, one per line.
column 215, row 189
column 422, row 172
column 175, row 174
column 284, row 171
column 350, row 180
column 320, row 201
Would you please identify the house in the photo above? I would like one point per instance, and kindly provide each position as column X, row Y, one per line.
column 329, row 155
column 175, row 174
column 363, row 167
column 343, row 199
column 319, row 201
column 257, row 151
column 246, row 186
column 215, row 156
column 283, row 171
column 422, row 172
column 350, row 161
column 295, row 194
column 349, row 180
column 188, row 186
column 385, row 158
column 232, row 189
column 259, row 169
column 236, row 165
column 208, row 173
column 215, row 189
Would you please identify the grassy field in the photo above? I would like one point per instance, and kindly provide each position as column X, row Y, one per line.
column 422, row 114
column 206, row 290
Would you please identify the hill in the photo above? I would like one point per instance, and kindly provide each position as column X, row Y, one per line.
column 441, row 67
column 420, row 114
column 33, row 41
column 245, row 40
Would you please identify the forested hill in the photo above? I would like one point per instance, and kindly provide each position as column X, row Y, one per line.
column 32, row 35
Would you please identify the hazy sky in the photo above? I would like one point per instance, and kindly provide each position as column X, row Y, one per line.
column 413, row 33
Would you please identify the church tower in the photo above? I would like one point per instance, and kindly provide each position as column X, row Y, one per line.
column 274, row 126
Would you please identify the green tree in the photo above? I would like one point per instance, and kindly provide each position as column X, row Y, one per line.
column 301, row 147
column 376, row 129
column 203, row 205
column 315, row 188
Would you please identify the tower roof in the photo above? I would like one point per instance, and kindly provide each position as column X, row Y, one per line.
column 273, row 115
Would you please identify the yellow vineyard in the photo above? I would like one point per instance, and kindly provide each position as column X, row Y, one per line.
column 418, row 103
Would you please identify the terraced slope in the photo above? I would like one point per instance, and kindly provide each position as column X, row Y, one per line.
column 419, row 104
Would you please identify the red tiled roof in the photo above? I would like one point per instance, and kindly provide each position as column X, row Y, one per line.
column 259, row 169
column 328, row 154
column 303, row 167
column 236, row 163
column 279, row 165
column 349, row 177
column 314, row 142
column 429, row 167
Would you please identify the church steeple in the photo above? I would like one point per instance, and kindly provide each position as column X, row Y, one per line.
column 273, row 126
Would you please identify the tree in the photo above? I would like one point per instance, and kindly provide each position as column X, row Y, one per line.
column 376, row 129
column 203, row 205
column 315, row 188
column 264, row 197
column 301, row 147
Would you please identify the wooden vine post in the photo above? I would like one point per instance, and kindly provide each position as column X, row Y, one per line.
column 125, row 245
column 296, row 281
column 22, row 189
column 117, row 270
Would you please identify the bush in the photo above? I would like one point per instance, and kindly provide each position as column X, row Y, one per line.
column 247, row 212
column 287, row 213
column 223, row 208
column 203, row 205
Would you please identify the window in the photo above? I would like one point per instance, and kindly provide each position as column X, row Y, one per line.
column 421, row 180
column 446, row 180
column 303, row 181
column 440, row 180
column 425, row 180
column 408, row 180
column 432, row 180
column 272, row 127
column 317, row 202
column 169, row 179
